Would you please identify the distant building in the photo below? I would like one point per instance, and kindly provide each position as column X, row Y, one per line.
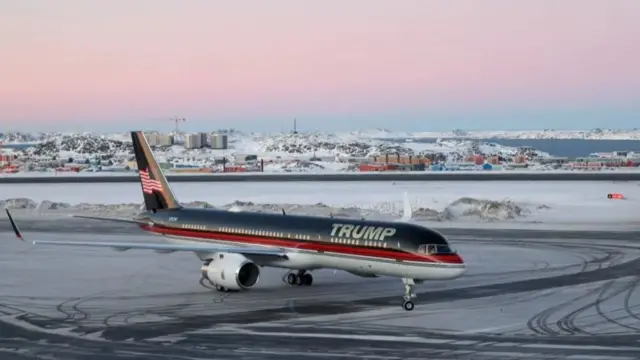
column 159, row 139
column 219, row 141
column 551, row 160
column 7, row 158
column 195, row 140
column 245, row 159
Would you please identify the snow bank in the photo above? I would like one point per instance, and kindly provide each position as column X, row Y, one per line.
column 483, row 209
column 470, row 203
column 463, row 208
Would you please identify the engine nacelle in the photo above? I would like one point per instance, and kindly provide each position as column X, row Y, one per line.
column 232, row 271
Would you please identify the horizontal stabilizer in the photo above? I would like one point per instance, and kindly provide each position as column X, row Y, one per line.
column 14, row 226
column 101, row 218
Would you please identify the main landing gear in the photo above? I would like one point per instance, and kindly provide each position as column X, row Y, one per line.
column 302, row 278
column 221, row 289
column 409, row 285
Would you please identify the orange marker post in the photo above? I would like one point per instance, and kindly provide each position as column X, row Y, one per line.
column 615, row 196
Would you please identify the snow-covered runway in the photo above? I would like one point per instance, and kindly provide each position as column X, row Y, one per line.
column 473, row 204
column 81, row 302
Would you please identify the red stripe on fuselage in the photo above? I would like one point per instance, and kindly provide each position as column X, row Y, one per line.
column 306, row 245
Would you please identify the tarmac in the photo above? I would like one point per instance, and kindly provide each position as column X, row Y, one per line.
column 527, row 295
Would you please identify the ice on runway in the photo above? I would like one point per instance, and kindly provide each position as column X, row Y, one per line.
column 138, row 297
column 139, row 279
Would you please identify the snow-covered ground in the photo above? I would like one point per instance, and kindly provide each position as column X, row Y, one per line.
column 531, row 204
column 594, row 134
column 277, row 146
column 288, row 152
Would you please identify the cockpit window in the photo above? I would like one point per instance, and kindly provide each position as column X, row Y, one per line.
column 432, row 249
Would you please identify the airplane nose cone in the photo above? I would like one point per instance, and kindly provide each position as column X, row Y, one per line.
column 458, row 266
column 458, row 259
column 463, row 268
column 450, row 258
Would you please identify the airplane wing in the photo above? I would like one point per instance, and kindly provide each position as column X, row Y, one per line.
column 130, row 221
column 159, row 248
column 408, row 213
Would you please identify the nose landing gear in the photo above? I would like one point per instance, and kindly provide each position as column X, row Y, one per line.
column 409, row 285
column 302, row 278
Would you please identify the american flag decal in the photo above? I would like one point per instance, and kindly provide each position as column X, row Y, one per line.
column 148, row 184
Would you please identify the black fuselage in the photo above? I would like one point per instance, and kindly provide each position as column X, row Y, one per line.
column 289, row 231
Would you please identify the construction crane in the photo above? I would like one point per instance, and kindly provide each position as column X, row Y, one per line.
column 177, row 120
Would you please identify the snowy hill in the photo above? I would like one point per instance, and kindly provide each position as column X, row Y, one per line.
column 328, row 146
column 594, row 134
column 325, row 145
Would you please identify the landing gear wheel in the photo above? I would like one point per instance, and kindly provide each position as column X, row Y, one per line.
column 292, row 279
column 307, row 279
column 220, row 288
column 302, row 278
column 408, row 305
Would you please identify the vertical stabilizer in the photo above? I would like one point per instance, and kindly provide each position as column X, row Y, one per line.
column 155, row 188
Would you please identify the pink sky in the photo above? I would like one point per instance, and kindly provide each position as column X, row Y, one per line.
column 72, row 60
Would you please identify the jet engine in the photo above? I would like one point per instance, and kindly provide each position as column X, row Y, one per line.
column 231, row 271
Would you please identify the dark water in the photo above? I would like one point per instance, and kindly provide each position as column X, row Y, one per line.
column 571, row 148
column 16, row 146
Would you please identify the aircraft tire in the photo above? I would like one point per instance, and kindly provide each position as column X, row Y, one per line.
column 307, row 279
column 292, row 279
column 408, row 305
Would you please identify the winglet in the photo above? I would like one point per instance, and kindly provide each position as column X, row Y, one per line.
column 408, row 213
column 14, row 226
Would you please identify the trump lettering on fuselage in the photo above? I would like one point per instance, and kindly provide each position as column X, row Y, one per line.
column 362, row 232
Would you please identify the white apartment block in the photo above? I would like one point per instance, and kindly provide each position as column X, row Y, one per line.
column 219, row 141
column 193, row 141
column 159, row 139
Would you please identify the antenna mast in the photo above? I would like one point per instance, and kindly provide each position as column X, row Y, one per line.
column 177, row 120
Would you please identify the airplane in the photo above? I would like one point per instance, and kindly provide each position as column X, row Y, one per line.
column 233, row 246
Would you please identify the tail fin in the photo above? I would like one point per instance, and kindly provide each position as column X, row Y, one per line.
column 155, row 188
